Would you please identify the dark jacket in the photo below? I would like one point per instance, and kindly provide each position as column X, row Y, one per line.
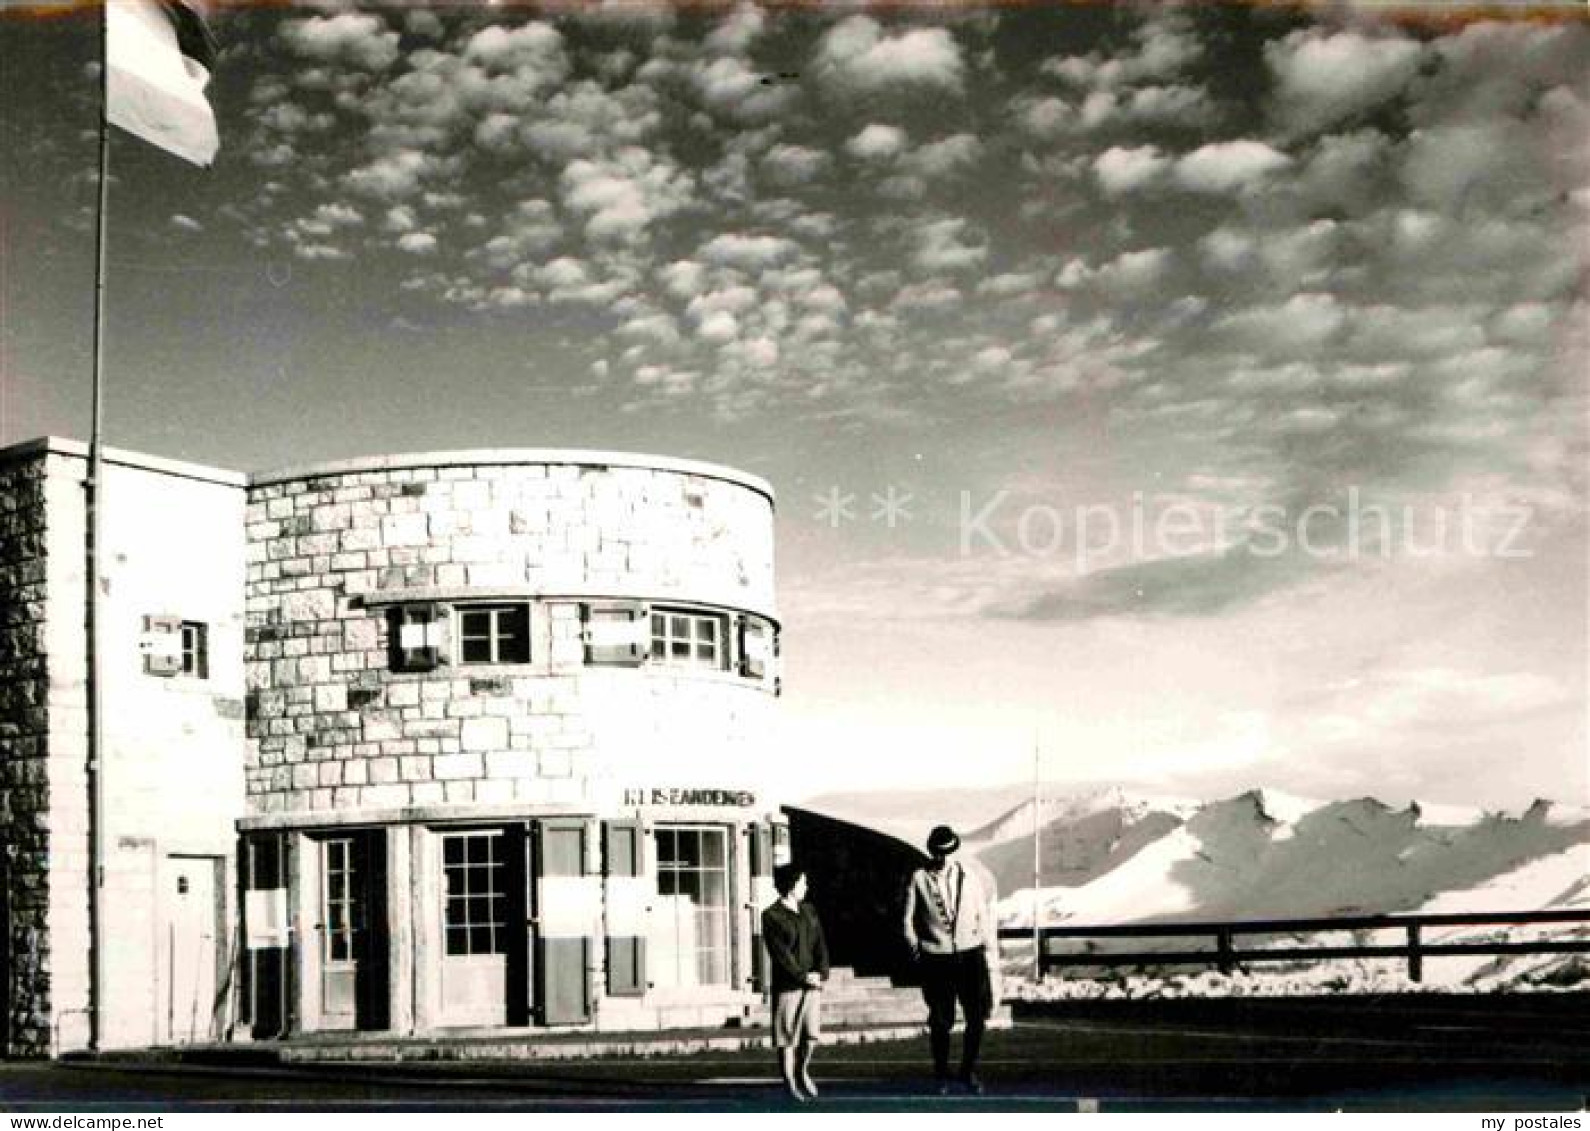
column 795, row 945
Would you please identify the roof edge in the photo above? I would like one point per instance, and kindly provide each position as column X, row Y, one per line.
column 76, row 449
column 575, row 457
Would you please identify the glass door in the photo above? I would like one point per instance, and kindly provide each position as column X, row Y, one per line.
column 690, row 922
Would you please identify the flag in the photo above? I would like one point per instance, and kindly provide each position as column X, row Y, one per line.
column 158, row 55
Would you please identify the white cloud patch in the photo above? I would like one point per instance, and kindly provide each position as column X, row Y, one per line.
column 1043, row 118
column 943, row 157
column 737, row 31
column 1302, row 323
column 791, row 165
column 186, row 223
column 417, row 243
column 350, row 38
column 622, row 196
column 393, row 176
column 749, row 253
column 858, row 55
column 1135, row 270
column 941, row 247
column 877, row 142
column 532, row 47
column 1123, row 169
column 1322, row 78
column 1229, row 166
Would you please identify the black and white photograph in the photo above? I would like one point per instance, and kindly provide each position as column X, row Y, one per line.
column 779, row 555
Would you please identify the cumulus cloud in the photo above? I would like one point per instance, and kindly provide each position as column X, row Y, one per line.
column 718, row 327
column 1322, row 78
column 1455, row 169
column 794, row 164
column 353, row 39
column 536, row 46
column 417, row 243
column 941, row 247
column 749, row 253
column 858, row 55
column 943, row 157
column 1303, row 322
column 877, row 142
column 622, row 196
column 1135, row 270
column 1043, row 118
column 394, row 175
column 1344, row 170
column 1122, row 169
column 1229, row 166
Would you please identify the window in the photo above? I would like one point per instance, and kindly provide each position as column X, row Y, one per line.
column 689, row 639
column 494, row 634
column 475, row 914
column 195, row 649
column 338, row 911
column 692, row 927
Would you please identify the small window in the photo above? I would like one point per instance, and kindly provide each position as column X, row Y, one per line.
column 494, row 634
column 688, row 639
column 475, row 907
column 195, row 649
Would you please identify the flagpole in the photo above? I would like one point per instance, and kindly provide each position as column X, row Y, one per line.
column 95, row 499
column 1037, row 858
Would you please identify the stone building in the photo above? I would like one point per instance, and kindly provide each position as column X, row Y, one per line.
column 171, row 670
column 504, row 714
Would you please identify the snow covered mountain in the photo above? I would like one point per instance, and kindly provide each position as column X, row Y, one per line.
column 1269, row 855
column 1109, row 857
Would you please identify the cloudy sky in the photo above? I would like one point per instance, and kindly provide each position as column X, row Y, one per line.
column 1197, row 392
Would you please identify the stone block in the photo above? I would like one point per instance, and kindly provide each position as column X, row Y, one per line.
column 415, row 767
column 383, row 771
column 331, row 697
column 454, row 766
column 381, row 726
column 556, row 763
column 494, row 573
column 384, row 796
column 484, row 734
column 510, row 764
column 404, row 530
column 494, row 792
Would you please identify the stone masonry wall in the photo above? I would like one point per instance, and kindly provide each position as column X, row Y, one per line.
column 333, row 726
column 24, row 777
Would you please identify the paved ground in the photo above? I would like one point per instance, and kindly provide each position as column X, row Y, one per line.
column 1465, row 1054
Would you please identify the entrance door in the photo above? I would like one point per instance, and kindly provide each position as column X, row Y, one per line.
column 482, row 872
column 353, row 935
column 189, row 949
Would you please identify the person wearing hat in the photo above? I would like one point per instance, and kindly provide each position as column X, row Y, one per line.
column 952, row 930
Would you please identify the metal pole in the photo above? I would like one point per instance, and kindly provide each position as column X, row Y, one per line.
column 1037, row 859
column 95, row 505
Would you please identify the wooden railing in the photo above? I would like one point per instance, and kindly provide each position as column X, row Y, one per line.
column 1226, row 955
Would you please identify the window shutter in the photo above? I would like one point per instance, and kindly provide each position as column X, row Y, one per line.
column 420, row 637
column 616, row 633
column 161, row 645
column 754, row 647
column 759, row 847
column 566, row 899
column 778, row 662
column 623, row 865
